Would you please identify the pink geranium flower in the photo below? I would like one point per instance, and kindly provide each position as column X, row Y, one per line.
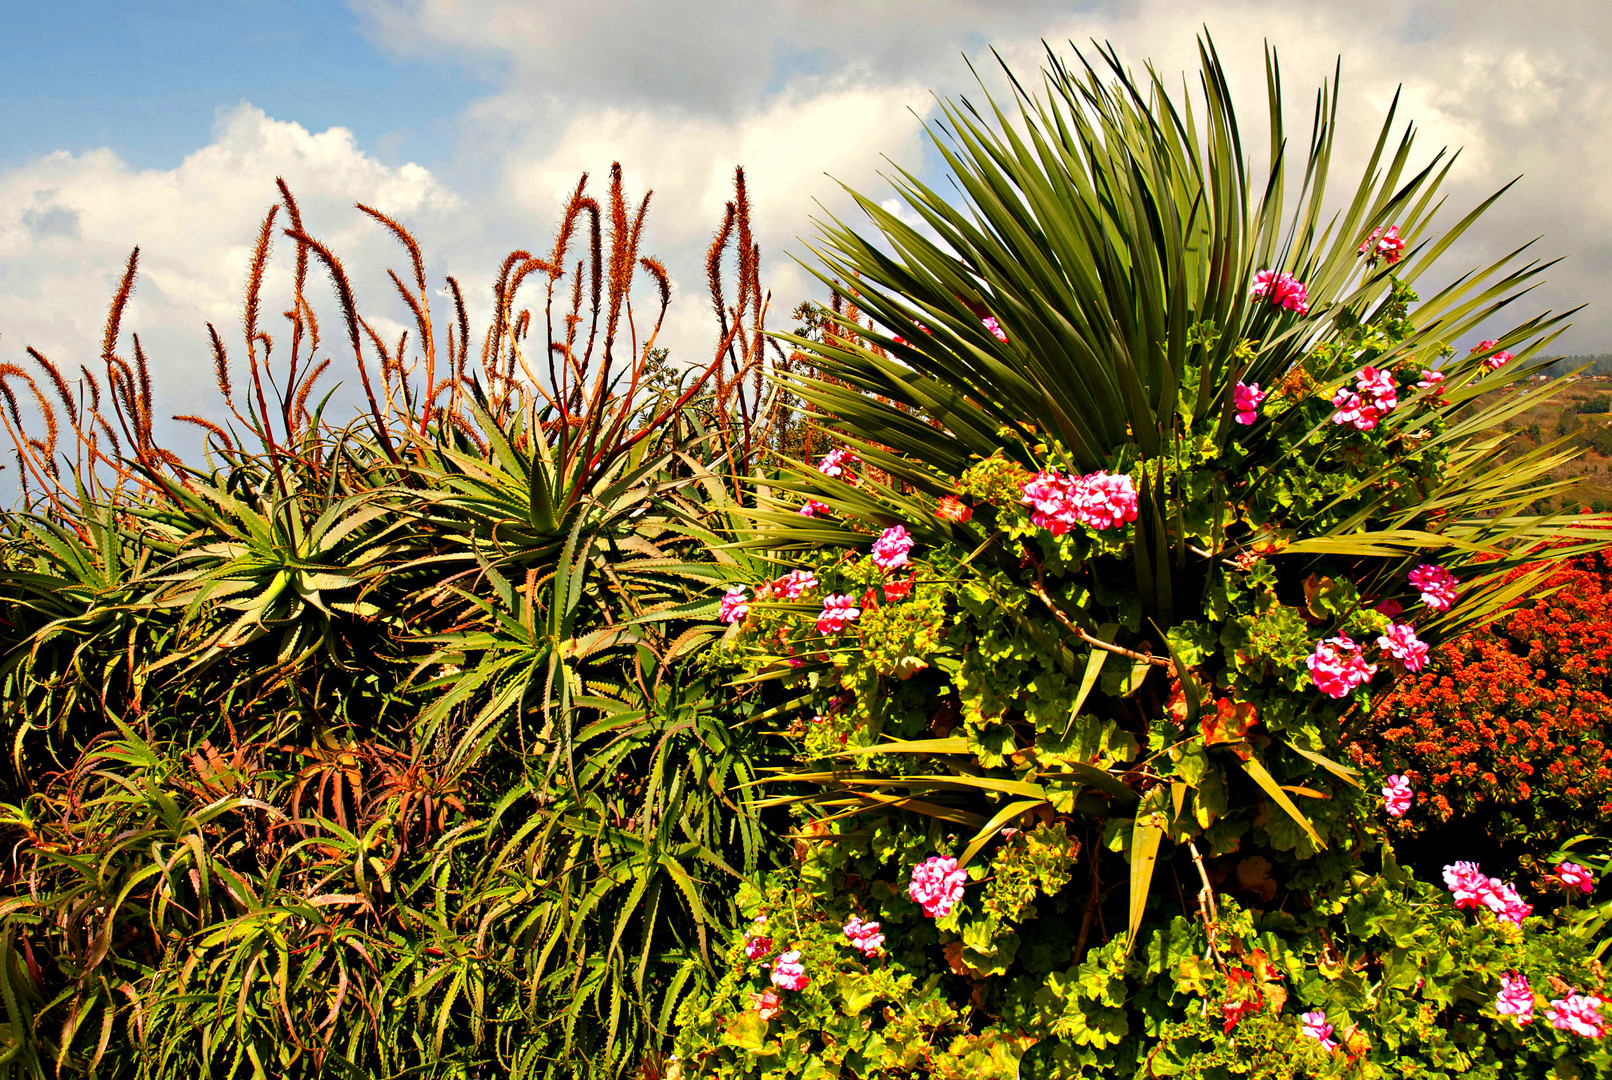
column 1374, row 394
column 1384, row 244
column 864, row 936
column 1281, row 290
column 1433, row 379
column 1495, row 362
column 1391, row 608
column 937, row 885
column 1246, row 398
column 890, row 549
column 1516, row 998
column 1400, row 642
column 1437, row 586
column 1397, row 795
column 794, row 583
column 811, row 508
column 735, row 605
column 995, row 328
column 766, row 1004
column 757, row 948
column 1337, row 668
column 1578, row 1013
column 838, row 609
column 837, row 463
column 789, row 973
column 1506, row 902
column 1468, row 885
column 1101, row 500
column 1317, row 1028
column 1574, row 876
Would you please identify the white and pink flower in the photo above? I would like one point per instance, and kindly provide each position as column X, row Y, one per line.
column 891, row 548
column 838, row 609
column 1281, row 290
column 1337, row 667
column 1495, row 362
column 1400, row 642
column 1436, row 584
column 1371, row 399
column 789, row 973
column 837, row 463
column 864, row 937
column 766, row 1004
column 793, row 584
column 937, row 885
column 995, row 328
column 1578, row 1013
column 735, row 605
column 811, row 508
column 1317, row 1028
column 1397, row 795
column 1573, row 876
column 1385, row 244
column 1516, row 998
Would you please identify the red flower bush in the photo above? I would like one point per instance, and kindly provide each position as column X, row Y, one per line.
column 1510, row 724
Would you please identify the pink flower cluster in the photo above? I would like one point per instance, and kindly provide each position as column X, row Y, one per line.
column 1397, row 795
column 1368, row 402
column 789, row 973
column 995, row 328
column 794, row 583
column 1246, row 397
column 1400, row 642
column 890, row 549
column 1495, row 362
column 1317, row 1028
column 1574, row 876
column 1516, row 998
column 1437, row 586
column 838, row 463
column 1384, row 244
column 1471, row 888
column 811, row 508
column 1101, row 500
column 735, row 605
column 838, row 609
column 937, row 885
column 864, row 936
column 1578, row 1013
column 1281, row 290
column 1337, row 666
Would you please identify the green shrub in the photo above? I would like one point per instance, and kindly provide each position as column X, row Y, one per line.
column 1177, row 480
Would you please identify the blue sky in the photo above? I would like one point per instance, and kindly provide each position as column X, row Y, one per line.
column 164, row 124
column 146, row 79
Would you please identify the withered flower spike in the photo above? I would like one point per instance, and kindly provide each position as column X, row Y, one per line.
column 254, row 277
column 56, row 381
column 114, row 315
column 217, row 432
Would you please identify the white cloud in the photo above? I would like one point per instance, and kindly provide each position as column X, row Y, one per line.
column 67, row 224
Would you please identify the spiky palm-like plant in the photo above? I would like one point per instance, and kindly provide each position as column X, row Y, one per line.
column 1112, row 272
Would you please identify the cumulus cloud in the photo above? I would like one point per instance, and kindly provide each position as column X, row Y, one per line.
column 67, row 223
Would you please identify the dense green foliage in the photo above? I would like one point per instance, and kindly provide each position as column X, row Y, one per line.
column 1096, row 606
column 373, row 751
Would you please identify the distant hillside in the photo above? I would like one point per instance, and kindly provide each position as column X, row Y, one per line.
column 1599, row 364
